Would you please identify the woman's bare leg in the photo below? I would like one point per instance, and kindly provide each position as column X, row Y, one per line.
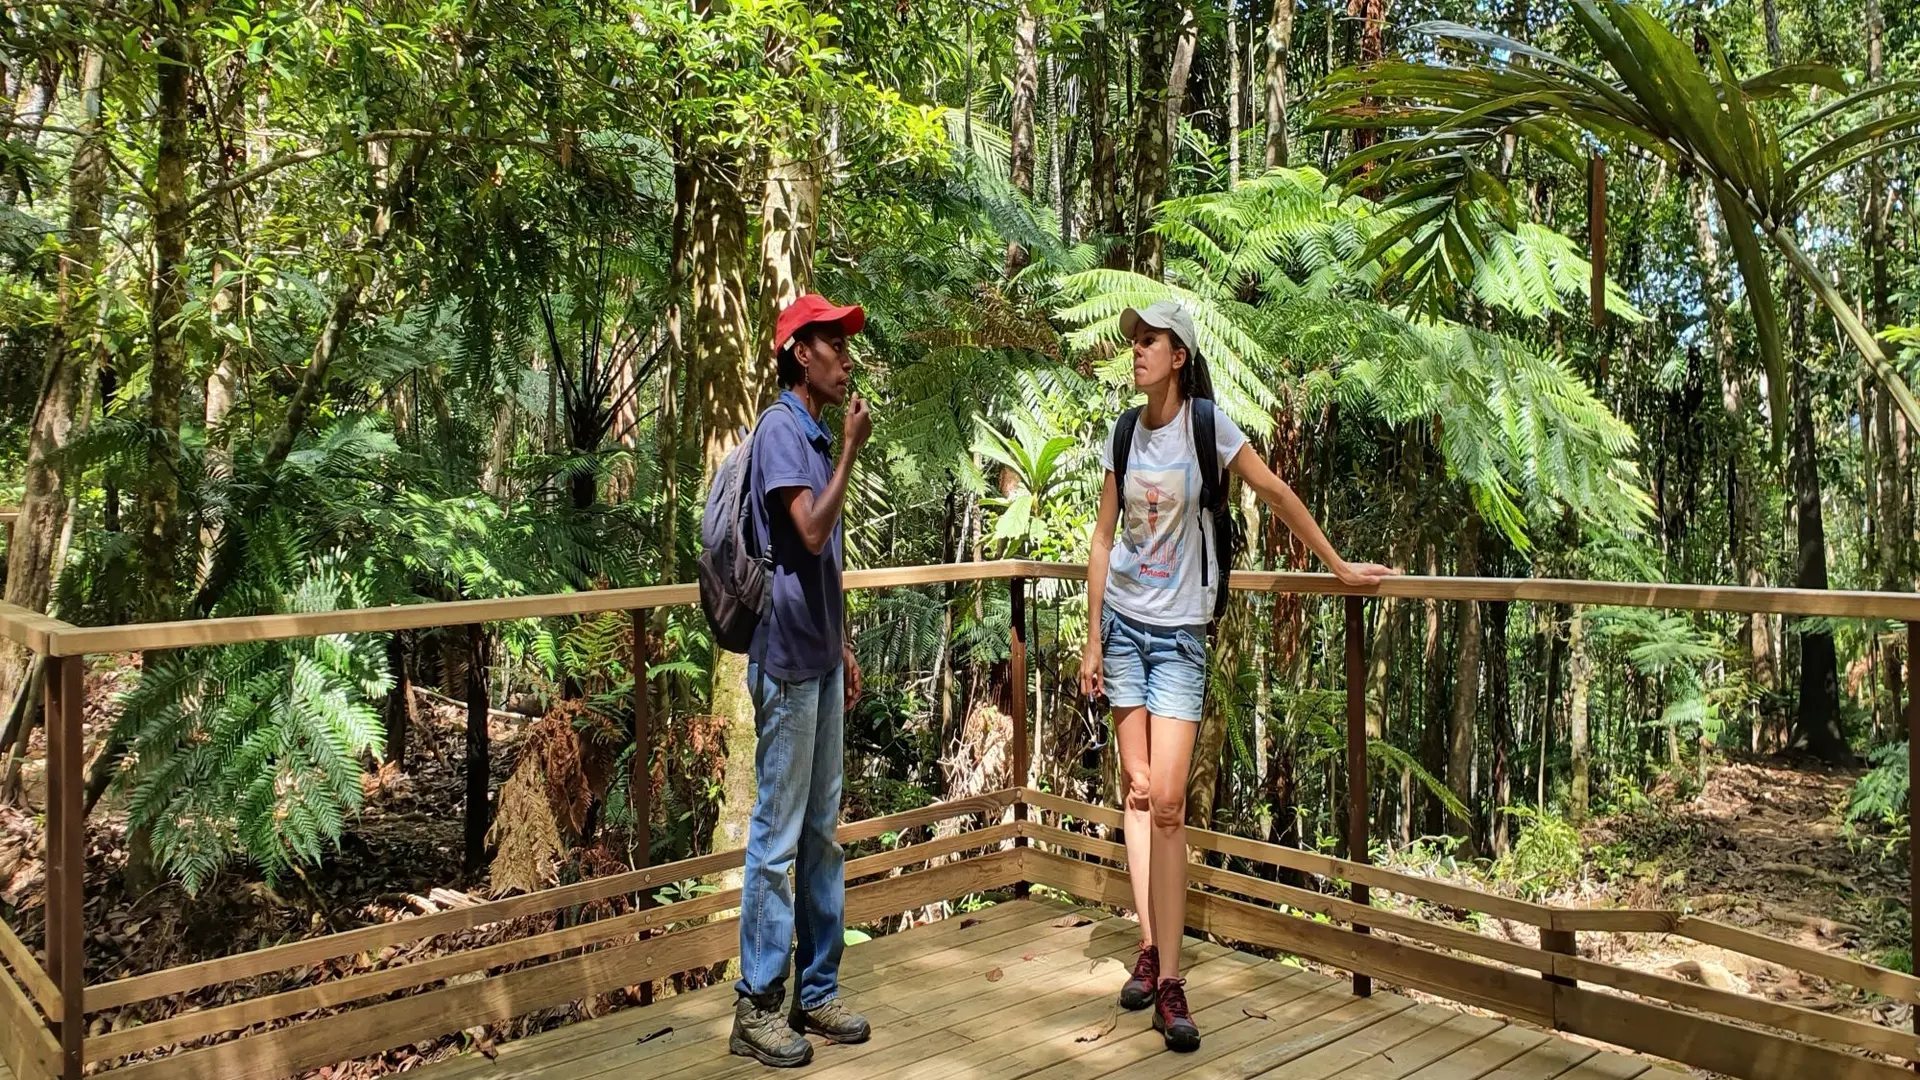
column 1130, row 725
column 1170, row 757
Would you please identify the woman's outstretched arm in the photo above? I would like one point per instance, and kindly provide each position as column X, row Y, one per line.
column 1247, row 465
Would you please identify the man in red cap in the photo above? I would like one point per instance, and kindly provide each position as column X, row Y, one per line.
column 802, row 676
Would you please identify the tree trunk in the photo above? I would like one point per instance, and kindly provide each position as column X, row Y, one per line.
column 1026, row 80
column 1433, row 731
column 1160, row 21
column 400, row 703
column 1233, row 99
column 1370, row 17
column 1103, row 174
column 1770, row 15
column 1466, row 687
column 160, row 497
column 727, row 372
column 1500, row 703
column 479, row 750
column 1180, row 75
column 787, row 231
column 674, row 371
column 1819, row 714
column 1582, row 678
column 1279, row 51
column 37, row 548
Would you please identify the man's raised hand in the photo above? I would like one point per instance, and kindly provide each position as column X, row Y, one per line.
column 859, row 424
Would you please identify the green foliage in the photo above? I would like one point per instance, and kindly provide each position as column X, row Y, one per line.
column 254, row 750
column 1547, row 856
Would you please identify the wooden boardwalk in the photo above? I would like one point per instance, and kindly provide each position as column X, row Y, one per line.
column 1027, row 989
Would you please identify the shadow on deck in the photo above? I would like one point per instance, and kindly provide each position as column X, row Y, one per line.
column 940, row 1012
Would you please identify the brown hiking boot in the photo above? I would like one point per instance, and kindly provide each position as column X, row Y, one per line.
column 760, row 1033
column 832, row 1019
column 1140, row 989
column 1173, row 1020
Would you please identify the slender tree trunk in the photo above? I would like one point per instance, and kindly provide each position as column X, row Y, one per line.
column 1770, row 15
column 674, row 372
column 1433, row 731
column 1233, row 99
column 1819, row 715
column 1026, row 79
column 1582, row 678
column 400, row 704
column 1279, row 52
column 1370, row 19
column 1103, row 175
column 37, row 548
column 1500, row 703
column 1180, row 74
column 1466, row 687
column 1160, row 21
column 160, row 497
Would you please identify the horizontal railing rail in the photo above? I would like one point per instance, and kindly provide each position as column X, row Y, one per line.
column 53, row 637
column 565, row 964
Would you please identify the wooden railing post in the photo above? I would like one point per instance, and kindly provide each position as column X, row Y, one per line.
column 1359, row 836
column 1564, row 942
column 478, row 775
column 1017, row 661
column 65, row 683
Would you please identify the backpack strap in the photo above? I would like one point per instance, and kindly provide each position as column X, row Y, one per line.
column 1122, row 448
column 743, row 524
column 1206, row 451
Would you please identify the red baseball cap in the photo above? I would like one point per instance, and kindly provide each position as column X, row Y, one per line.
column 814, row 308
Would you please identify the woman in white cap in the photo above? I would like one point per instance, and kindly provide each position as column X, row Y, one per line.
column 1150, row 601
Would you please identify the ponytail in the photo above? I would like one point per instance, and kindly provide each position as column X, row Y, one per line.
column 1195, row 380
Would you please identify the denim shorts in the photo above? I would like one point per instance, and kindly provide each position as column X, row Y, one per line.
column 1161, row 667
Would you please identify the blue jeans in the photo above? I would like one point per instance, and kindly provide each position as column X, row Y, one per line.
column 797, row 765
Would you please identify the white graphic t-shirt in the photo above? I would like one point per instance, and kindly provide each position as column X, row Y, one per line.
column 1154, row 575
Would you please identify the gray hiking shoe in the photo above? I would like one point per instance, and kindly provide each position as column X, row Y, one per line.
column 832, row 1019
column 759, row 1032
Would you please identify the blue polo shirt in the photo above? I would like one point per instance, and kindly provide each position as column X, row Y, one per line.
column 800, row 637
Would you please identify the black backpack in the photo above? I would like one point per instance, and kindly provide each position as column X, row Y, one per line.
column 735, row 567
column 1227, row 535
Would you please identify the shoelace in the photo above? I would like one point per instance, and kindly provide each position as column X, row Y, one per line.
column 1147, row 967
column 1173, row 999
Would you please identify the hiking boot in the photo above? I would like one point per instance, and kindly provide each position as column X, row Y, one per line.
column 759, row 1032
column 832, row 1019
column 1172, row 1019
column 1139, row 991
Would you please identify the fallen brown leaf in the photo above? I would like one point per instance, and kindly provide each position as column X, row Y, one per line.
column 652, row 1036
column 1031, row 956
column 1067, row 922
column 1101, row 1032
column 964, row 923
column 1256, row 1014
column 996, row 975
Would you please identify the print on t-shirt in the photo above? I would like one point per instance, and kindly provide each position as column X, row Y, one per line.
column 1156, row 524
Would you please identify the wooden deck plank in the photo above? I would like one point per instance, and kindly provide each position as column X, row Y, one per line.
column 1497, row 1050
column 998, row 1029
column 1317, row 1057
column 1605, row 1066
column 1138, row 1051
column 550, row 1049
column 1133, row 1040
column 1548, row 1061
column 1459, row 1032
column 1025, row 986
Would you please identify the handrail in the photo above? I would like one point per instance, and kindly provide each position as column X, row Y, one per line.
column 52, row 637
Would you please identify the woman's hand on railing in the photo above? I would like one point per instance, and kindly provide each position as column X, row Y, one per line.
column 1362, row 575
column 1092, row 682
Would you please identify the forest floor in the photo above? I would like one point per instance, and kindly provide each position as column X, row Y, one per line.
column 1763, row 845
column 1760, row 844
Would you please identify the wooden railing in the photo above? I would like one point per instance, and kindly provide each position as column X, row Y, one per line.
column 44, row 1010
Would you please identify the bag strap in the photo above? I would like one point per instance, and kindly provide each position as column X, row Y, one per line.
column 1122, row 448
column 1213, row 481
column 743, row 521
